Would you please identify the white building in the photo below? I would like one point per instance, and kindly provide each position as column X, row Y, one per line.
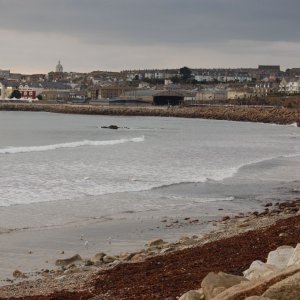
column 149, row 75
column 211, row 94
column 168, row 82
column 206, row 78
column 144, row 85
column 264, row 88
column 29, row 91
column 291, row 86
column 239, row 93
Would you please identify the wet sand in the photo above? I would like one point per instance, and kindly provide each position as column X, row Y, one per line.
column 32, row 236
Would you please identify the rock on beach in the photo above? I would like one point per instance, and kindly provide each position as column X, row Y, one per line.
column 67, row 261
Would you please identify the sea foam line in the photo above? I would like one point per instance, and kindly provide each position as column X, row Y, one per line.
column 13, row 150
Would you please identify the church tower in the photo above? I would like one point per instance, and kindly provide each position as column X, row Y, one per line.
column 59, row 68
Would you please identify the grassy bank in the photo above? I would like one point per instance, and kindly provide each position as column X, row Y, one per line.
column 250, row 114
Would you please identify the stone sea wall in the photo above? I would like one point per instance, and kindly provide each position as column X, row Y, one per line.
column 249, row 114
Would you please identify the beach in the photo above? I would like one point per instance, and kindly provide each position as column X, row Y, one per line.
column 149, row 150
column 35, row 247
column 163, row 270
column 70, row 187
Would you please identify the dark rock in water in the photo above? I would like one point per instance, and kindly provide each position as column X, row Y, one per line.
column 111, row 127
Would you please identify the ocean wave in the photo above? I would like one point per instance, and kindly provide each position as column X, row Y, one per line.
column 14, row 150
column 223, row 174
column 218, row 178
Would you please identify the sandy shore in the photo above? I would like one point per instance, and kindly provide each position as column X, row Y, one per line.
column 165, row 270
column 32, row 236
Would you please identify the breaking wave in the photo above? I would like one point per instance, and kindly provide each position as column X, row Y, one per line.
column 13, row 150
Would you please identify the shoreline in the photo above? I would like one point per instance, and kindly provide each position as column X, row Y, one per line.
column 281, row 116
column 182, row 264
column 45, row 229
column 128, row 231
column 188, row 217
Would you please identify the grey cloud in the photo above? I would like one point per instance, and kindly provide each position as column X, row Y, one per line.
column 155, row 21
column 119, row 34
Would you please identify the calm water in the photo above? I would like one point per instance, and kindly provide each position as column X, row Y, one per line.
column 46, row 157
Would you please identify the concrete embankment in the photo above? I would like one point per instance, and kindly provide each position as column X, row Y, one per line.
column 249, row 114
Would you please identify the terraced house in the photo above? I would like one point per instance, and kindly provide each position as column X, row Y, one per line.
column 291, row 86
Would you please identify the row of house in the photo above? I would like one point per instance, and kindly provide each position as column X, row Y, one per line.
column 220, row 94
column 290, row 86
column 30, row 91
column 262, row 89
column 263, row 72
column 64, row 91
column 101, row 85
column 197, row 75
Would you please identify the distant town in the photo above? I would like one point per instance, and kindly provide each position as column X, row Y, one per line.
column 264, row 85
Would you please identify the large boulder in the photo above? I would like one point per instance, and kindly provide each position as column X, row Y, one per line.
column 156, row 242
column 255, row 287
column 192, row 295
column 280, row 257
column 109, row 259
column 98, row 257
column 295, row 258
column 19, row 274
column 214, row 284
column 287, row 289
column 258, row 269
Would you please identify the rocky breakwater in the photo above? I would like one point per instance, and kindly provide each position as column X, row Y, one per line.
column 236, row 113
column 276, row 279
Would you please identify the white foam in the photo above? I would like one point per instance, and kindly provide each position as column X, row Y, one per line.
column 13, row 150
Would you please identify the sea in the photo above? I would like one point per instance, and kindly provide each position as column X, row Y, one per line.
column 168, row 165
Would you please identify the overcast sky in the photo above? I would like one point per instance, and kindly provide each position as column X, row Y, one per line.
column 91, row 35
